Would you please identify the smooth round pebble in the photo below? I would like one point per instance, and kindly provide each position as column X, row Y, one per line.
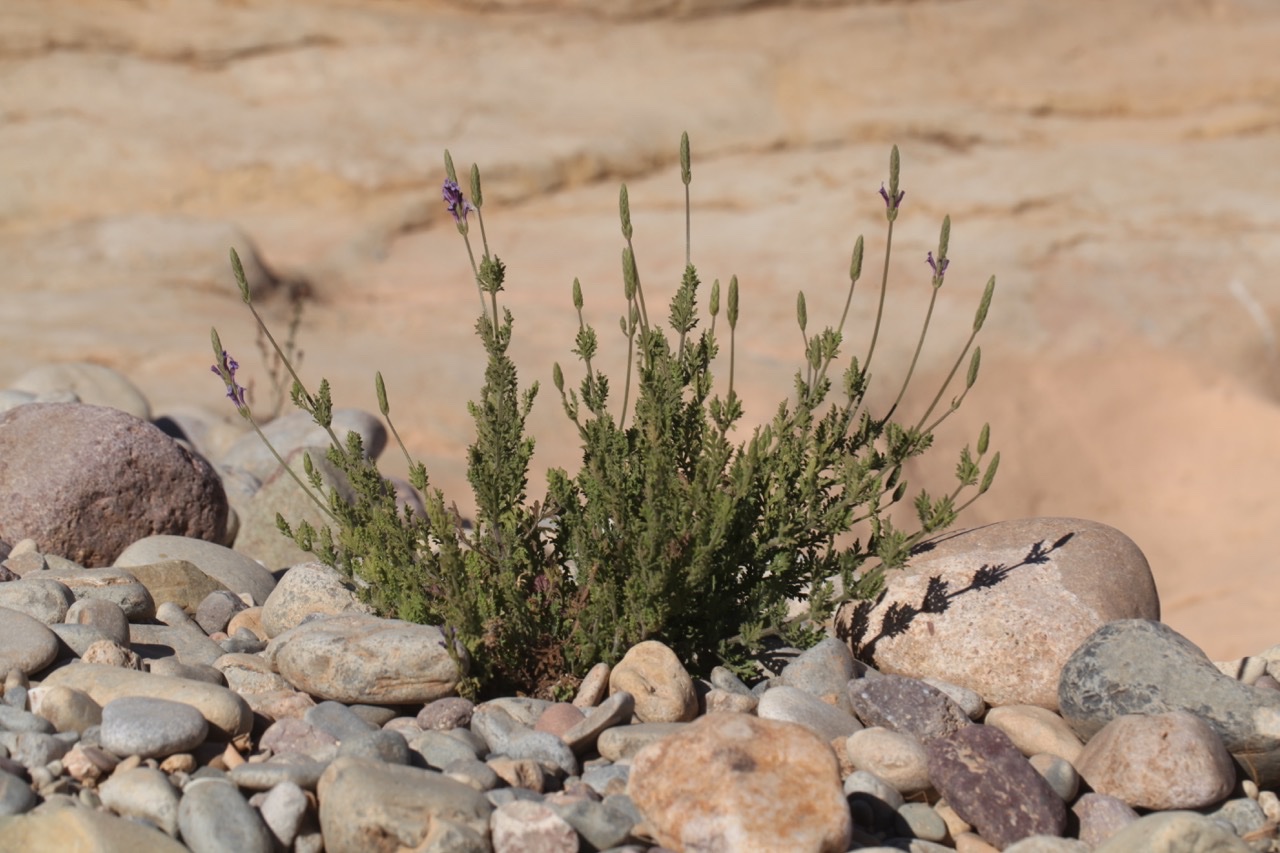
column 143, row 792
column 215, row 818
column 147, row 727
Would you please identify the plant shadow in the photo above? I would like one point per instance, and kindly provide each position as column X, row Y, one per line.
column 937, row 598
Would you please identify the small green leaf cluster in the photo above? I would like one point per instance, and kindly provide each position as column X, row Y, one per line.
column 670, row 529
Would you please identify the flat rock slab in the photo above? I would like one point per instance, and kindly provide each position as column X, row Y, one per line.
column 235, row 571
column 357, row 658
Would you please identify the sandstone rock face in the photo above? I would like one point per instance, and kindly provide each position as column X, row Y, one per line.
column 1000, row 608
column 1104, row 180
column 86, row 481
column 777, row 787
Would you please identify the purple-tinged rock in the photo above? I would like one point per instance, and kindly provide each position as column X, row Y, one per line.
column 992, row 786
column 86, row 481
column 906, row 705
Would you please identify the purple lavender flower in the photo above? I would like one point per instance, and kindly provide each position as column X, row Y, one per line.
column 891, row 203
column 454, row 200
column 226, row 370
column 939, row 270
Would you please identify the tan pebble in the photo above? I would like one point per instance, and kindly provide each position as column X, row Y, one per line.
column 898, row 759
column 128, row 763
column 594, row 687
column 956, row 825
column 1270, row 804
column 663, row 690
column 558, row 718
column 108, row 653
column 967, row 842
column 182, row 762
column 250, row 618
column 519, row 773
column 231, row 757
column 718, row 700
column 1035, row 730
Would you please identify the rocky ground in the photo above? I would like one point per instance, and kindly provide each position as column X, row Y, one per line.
column 1013, row 689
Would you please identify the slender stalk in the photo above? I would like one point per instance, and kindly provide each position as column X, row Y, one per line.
column 884, row 284
column 915, row 357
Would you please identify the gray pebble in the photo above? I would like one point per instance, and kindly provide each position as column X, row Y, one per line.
column 143, row 792
column 265, row 775
column 16, row 796
column 214, row 818
column 338, row 720
column 381, row 745
column 17, row 720
column 438, row 750
column 282, row 809
column 472, row 772
column 141, row 725
column 545, row 748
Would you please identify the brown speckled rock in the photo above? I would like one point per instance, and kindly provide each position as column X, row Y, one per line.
column 906, row 705
column 86, row 481
column 737, row 782
column 993, row 787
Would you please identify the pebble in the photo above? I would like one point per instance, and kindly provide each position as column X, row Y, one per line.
column 993, row 787
column 766, row 773
column 362, row 799
column 1035, row 730
column 898, row 759
column 283, row 808
column 1160, row 761
column 42, row 599
column 228, row 568
column 1171, row 832
column 791, row 704
column 114, row 585
column 106, row 616
column 145, row 793
column 524, row 826
column 450, row 712
column 214, row 818
column 26, row 644
column 657, row 681
column 621, row 743
column 1138, row 666
column 150, row 727
column 357, row 658
column 823, row 671
column 906, row 705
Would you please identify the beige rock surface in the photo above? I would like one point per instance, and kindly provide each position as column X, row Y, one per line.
column 1112, row 164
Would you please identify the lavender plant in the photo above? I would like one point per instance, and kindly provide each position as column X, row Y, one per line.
column 669, row 530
